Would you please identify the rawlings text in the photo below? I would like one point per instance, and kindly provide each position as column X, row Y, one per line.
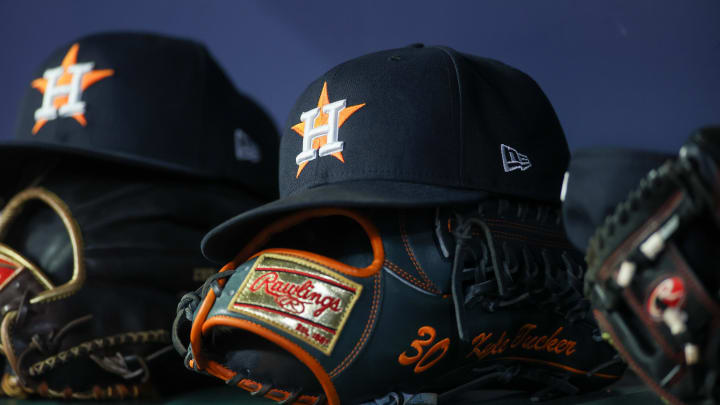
column 303, row 298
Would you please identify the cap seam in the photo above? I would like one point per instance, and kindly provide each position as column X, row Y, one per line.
column 502, row 96
column 461, row 128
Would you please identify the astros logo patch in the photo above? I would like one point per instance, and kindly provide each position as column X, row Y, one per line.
column 319, row 129
column 62, row 89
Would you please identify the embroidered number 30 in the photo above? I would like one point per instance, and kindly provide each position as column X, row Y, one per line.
column 425, row 360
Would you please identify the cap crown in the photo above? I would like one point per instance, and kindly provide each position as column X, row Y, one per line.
column 427, row 116
column 152, row 100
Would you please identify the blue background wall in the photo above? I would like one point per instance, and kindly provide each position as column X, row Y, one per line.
column 639, row 73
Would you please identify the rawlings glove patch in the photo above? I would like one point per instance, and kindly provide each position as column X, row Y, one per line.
column 307, row 299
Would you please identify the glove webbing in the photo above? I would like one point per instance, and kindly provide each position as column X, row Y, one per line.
column 484, row 277
column 672, row 178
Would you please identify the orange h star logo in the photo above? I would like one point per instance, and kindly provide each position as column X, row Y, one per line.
column 319, row 129
column 62, row 89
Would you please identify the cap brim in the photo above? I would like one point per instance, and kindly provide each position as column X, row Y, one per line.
column 12, row 150
column 224, row 241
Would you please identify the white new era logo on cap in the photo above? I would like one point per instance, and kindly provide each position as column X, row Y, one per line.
column 245, row 148
column 513, row 160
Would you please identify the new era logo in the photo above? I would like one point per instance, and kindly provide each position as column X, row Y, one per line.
column 513, row 160
column 245, row 148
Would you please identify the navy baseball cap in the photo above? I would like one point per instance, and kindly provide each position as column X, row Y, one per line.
column 415, row 126
column 597, row 180
column 146, row 100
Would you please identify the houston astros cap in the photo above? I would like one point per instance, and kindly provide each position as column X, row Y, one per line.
column 147, row 100
column 411, row 127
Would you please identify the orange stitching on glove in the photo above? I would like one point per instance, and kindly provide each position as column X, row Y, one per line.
column 523, row 238
column 562, row 244
column 524, row 340
column 558, row 365
column 196, row 329
column 424, row 364
column 366, row 332
column 303, row 356
column 223, row 373
column 520, row 226
column 322, row 260
column 418, row 345
column 288, row 222
column 405, row 275
column 420, row 359
column 411, row 255
column 526, row 227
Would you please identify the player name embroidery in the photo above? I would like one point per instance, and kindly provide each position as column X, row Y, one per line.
column 484, row 346
column 62, row 88
column 513, row 160
column 303, row 298
column 320, row 128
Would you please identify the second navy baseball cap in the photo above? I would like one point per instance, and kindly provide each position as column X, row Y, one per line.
column 415, row 126
column 597, row 180
column 146, row 100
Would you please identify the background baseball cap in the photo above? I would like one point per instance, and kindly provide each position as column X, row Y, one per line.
column 597, row 180
column 146, row 100
column 415, row 126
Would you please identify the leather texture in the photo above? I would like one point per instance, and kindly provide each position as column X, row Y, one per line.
column 402, row 334
column 653, row 274
column 138, row 243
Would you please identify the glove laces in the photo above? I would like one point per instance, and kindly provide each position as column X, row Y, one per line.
column 188, row 305
column 490, row 275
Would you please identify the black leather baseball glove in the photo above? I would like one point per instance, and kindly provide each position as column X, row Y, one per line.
column 653, row 277
column 92, row 263
column 407, row 306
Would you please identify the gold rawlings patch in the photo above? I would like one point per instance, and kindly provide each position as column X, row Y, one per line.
column 304, row 298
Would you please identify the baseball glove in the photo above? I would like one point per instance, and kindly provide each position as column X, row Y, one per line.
column 408, row 306
column 91, row 267
column 653, row 277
